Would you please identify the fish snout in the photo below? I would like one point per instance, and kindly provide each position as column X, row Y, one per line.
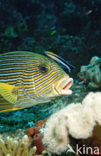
column 66, row 89
column 63, row 87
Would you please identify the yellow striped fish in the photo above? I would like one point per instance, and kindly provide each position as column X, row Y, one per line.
column 28, row 78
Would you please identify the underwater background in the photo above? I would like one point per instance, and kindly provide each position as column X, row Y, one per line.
column 69, row 28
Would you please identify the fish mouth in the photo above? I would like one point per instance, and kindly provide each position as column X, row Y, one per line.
column 64, row 87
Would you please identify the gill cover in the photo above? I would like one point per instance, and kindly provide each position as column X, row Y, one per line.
column 32, row 94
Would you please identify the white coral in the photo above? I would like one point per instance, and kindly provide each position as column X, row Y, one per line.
column 58, row 135
column 93, row 101
column 77, row 120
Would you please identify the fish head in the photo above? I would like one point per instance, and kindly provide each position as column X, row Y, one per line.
column 49, row 80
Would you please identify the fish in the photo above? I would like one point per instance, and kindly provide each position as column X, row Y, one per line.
column 28, row 79
column 60, row 60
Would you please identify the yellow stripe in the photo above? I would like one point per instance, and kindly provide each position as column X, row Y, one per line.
column 18, row 76
column 9, row 110
column 24, row 61
column 18, row 70
column 21, row 61
column 39, row 76
column 11, row 71
column 46, row 84
column 42, row 86
column 10, row 77
column 19, row 65
column 43, row 79
column 31, row 54
column 38, row 89
column 12, row 82
column 32, row 74
column 37, row 83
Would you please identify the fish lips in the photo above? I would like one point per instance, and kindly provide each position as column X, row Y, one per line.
column 65, row 87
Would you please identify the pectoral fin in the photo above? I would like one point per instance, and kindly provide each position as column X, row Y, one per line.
column 8, row 92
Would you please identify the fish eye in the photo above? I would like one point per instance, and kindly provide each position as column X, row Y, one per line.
column 44, row 68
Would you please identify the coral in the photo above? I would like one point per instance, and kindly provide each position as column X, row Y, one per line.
column 13, row 147
column 35, row 136
column 30, row 134
column 39, row 125
column 30, row 131
column 37, row 139
column 77, row 120
column 92, row 73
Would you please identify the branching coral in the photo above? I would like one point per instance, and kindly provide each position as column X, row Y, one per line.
column 77, row 120
column 92, row 72
column 13, row 147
